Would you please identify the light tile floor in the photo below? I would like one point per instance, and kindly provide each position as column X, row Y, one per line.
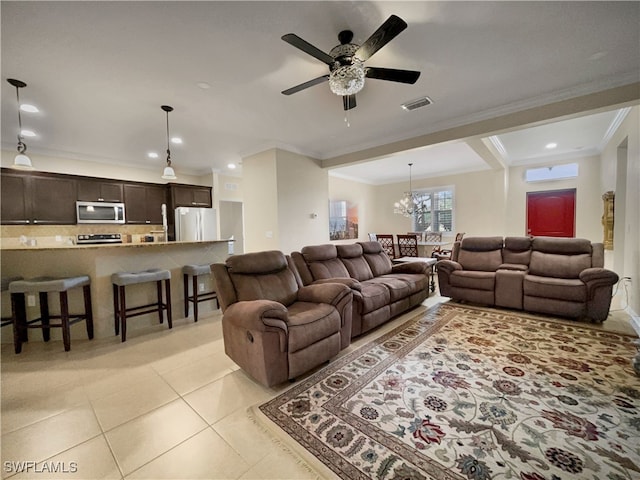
column 165, row 404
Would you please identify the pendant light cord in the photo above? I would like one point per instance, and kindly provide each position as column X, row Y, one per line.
column 21, row 146
column 168, row 150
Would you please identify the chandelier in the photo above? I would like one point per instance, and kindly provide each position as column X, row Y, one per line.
column 347, row 77
column 412, row 204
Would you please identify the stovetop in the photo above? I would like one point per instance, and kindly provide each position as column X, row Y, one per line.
column 94, row 238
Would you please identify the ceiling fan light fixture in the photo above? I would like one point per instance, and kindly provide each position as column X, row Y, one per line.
column 347, row 79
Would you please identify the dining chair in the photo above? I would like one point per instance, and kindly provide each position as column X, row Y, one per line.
column 407, row 245
column 386, row 240
column 372, row 237
column 419, row 235
column 446, row 253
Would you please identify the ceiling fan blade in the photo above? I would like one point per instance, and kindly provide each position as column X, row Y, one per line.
column 349, row 101
column 392, row 75
column 306, row 47
column 387, row 32
column 304, row 85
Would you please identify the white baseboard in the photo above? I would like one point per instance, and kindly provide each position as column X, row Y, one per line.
column 635, row 320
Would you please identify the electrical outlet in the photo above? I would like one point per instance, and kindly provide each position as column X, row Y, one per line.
column 201, row 287
column 31, row 300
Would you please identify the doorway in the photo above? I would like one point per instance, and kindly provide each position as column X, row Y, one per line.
column 552, row 213
column 232, row 224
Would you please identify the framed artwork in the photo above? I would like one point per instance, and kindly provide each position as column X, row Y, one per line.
column 343, row 220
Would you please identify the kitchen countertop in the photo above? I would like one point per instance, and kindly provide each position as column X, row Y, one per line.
column 64, row 246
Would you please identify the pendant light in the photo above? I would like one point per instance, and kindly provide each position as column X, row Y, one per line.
column 169, row 173
column 22, row 161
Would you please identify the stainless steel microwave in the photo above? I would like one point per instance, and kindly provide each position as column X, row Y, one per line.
column 99, row 212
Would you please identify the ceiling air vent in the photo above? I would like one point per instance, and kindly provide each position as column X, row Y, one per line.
column 417, row 103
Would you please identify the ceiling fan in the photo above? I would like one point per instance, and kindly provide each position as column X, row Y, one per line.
column 346, row 62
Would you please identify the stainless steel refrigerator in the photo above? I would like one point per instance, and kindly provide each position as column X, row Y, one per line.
column 196, row 224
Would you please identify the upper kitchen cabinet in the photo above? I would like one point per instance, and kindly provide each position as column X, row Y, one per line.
column 96, row 190
column 143, row 203
column 38, row 199
column 190, row 196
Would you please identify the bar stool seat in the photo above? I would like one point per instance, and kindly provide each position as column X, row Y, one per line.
column 195, row 271
column 43, row 286
column 122, row 312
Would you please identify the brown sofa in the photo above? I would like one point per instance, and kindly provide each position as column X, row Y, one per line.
column 380, row 290
column 275, row 328
column 557, row 276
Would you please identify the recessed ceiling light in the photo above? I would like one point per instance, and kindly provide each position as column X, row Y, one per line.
column 152, row 155
column 25, row 107
column 551, row 146
column 28, row 133
column 231, row 166
column 176, row 140
column 203, row 85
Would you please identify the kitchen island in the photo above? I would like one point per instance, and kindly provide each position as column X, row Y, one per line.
column 99, row 262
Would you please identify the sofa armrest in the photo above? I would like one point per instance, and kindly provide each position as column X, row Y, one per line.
column 330, row 293
column 411, row 267
column 352, row 283
column 514, row 267
column 258, row 315
column 448, row 266
column 595, row 278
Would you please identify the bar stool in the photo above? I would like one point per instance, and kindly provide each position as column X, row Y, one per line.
column 5, row 288
column 120, row 310
column 43, row 286
column 194, row 271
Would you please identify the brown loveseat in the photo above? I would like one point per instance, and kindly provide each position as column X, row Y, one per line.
column 557, row 276
column 380, row 290
column 274, row 328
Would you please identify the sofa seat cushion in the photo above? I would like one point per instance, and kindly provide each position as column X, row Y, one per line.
column 416, row 281
column 568, row 289
column 398, row 289
column 472, row 279
column 311, row 322
column 374, row 296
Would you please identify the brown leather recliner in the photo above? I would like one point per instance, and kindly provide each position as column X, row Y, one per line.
column 273, row 327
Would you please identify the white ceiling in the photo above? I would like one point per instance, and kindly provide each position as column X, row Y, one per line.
column 99, row 72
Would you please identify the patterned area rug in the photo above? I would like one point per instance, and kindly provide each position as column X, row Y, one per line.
column 469, row 393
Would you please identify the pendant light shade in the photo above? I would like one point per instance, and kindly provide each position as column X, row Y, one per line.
column 22, row 161
column 168, row 173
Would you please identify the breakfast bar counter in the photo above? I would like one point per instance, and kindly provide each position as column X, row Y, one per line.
column 99, row 262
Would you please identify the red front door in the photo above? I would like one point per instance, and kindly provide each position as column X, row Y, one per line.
column 552, row 213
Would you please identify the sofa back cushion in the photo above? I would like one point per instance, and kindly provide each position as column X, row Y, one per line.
column 378, row 261
column 481, row 253
column 323, row 261
column 560, row 257
column 353, row 258
column 263, row 275
column 517, row 250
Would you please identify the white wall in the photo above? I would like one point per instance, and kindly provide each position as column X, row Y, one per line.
column 589, row 207
column 626, row 249
column 479, row 203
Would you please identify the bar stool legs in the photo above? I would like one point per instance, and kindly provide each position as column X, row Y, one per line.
column 194, row 271
column 122, row 312
column 43, row 286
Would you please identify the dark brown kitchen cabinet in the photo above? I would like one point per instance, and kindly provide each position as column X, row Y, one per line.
column 143, row 203
column 99, row 191
column 38, row 199
column 15, row 202
column 191, row 196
